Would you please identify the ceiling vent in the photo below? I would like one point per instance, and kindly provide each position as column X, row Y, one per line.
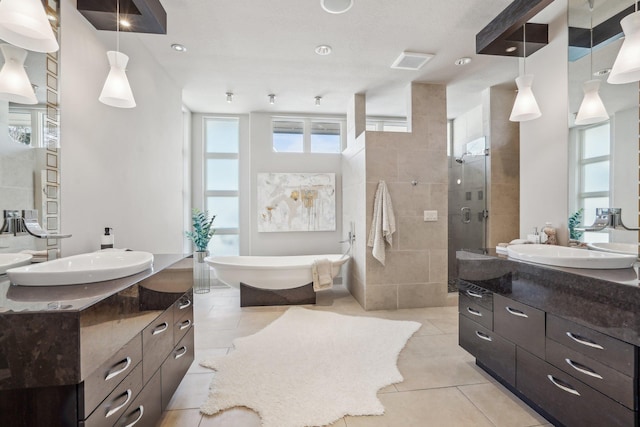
column 411, row 60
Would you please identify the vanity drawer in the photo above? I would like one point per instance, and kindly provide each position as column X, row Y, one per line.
column 610, row 351
column 612, row 383
column 475, row 312
column 183, row 315
column 157, row 343
column 491, row 350
column 482, row 297
column 117, row 402
column 520, row 324
column 568, row 400
column 145, row 410
column 104, row 379
column 176, row 366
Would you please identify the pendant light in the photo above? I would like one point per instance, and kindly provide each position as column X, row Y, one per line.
column 592, row 109
column 117, row 91
column 626, row 68
column 525, row 107
column 14, row 82
column 24, row 23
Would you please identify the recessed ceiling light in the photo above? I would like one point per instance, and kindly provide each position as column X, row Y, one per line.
column 511, row 49
column 318, row 99
column 336, row 6
column 463, row 61
column 125, row 23
column 229, row 97
column 323, row 49
column 602, row 72
column 178, row 47
column 272, row 98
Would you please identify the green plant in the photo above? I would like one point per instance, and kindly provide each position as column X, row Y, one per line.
column 574, row 220
column 202, row 229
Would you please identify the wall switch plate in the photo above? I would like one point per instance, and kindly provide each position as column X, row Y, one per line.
column 430, row 216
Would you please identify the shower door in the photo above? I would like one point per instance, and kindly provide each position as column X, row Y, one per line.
column 467, row 203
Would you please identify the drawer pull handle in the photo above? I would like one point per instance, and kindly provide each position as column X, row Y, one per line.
column 516, row 312
column 185, row 324
column 122, row 405
column 564, row 387
column 112, row 373
column 584, row 341
column 141, row 409
column 483, row 336
column 160, row 328
column 185, row 305
column 474, row 294
column 583, row 369
column 182, row 351
column 474, row 312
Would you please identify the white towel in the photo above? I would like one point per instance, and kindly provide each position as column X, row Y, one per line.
column 383, row 224
column 322, row 277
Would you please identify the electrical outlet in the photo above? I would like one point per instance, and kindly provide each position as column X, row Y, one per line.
column 430, row 216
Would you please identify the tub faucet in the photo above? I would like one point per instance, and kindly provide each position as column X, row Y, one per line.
column 608, row 218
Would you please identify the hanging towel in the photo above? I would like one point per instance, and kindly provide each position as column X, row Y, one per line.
column 383, row 224
column 321, row 272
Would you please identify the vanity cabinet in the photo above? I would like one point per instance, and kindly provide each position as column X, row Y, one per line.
column 570, row 373
column 132, row 350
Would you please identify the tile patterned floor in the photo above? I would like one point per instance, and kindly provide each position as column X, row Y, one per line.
column 442, row 386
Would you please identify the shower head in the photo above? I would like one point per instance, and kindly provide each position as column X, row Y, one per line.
column 461, row 158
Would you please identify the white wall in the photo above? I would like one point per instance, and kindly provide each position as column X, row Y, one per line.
column 544, row 141
column 121, row 168
column 263, row 159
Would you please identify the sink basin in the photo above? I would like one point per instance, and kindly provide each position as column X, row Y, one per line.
column 561, row 256
column 616, row 248
column 84, row 268
column 8, row 261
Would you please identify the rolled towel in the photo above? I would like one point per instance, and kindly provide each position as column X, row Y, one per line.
column 321, row 272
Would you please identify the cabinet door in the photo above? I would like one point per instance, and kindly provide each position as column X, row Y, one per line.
column 176, row 366
column 145, row 410
column 479, row 314
column 568, row 400
column 183, row 316
column 157, row 342
column 494, row 352
column 520, row 324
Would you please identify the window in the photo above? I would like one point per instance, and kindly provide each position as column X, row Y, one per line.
column 386, row 125
column 594, row 162
column 222, row 140
column 307, row 135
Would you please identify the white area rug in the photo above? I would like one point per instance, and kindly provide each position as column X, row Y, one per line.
column 310, row 368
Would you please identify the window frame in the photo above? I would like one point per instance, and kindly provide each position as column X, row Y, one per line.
column 307, row 122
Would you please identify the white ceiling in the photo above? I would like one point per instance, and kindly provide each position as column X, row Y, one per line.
column 256, row 47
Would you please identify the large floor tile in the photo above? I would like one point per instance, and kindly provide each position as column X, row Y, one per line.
column 192, row 392
column 204, row 354
column 180, row 417
column 440, row 407
column 436, row 372
column 234, row 417
column 501, row 406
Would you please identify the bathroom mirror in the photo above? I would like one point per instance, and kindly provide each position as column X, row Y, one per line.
column 29, row 150
column 603, row 157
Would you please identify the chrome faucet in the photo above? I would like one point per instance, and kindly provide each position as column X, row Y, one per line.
column 26, row 223
column 608, row 218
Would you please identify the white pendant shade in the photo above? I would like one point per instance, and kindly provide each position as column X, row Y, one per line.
column 14, row 82
column 626, row 68
column 525, row 107
column 592, row 109
column 24, row 23
column 116, row 91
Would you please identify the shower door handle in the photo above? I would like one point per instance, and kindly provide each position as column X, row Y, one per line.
column 466, row 215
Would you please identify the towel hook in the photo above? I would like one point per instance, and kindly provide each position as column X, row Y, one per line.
column 414, row 182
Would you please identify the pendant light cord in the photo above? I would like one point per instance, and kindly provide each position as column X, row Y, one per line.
column 591, row 42
column 524, row 40
column 117, row 25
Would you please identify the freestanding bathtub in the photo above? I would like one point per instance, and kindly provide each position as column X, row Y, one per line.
column 270, row 272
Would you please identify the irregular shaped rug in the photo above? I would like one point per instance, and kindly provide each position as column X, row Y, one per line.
column 310, row 368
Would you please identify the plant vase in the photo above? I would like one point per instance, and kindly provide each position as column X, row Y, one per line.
column 201, row 273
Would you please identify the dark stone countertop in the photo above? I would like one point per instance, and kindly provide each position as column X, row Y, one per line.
column 58, row 335
column 605, row 300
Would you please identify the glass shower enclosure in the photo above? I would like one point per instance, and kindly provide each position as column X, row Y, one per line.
column 468, row 212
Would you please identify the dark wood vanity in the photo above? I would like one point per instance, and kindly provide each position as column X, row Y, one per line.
column 102, row 354
column 564, row 340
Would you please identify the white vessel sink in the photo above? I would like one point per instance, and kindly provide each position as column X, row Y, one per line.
column 561, row 256
column 8, row 261
column 84, row 268
column 616, row 248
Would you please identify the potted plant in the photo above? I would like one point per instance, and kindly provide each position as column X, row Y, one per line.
column 201, row 234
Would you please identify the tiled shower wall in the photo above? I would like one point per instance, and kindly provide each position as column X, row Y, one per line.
column 414, row 166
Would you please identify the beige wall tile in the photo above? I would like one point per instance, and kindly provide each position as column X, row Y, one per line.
column 381, row 297
column 438, row 265
column 415, row 234
column 382, row 164
column 425, row 166
column 422, row 295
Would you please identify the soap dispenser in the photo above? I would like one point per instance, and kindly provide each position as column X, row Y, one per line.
column 107, row 239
